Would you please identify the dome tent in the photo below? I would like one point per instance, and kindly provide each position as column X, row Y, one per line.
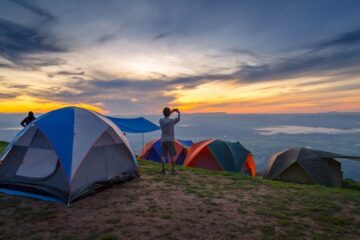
column 152, row 151
column 220, row 155
column 306, row 165
column 66, row 154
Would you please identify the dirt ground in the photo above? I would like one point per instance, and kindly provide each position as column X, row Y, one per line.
column 192, row 205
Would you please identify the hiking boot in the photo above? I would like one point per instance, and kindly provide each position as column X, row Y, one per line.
column 173, row 171
column 163, row 171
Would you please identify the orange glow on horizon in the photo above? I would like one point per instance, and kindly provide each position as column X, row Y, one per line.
column 25, row 104
column 272, row 97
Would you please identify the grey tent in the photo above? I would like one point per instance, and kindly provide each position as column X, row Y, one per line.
column 306, row 165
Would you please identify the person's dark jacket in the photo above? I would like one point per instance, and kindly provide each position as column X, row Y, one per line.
column 27, row 120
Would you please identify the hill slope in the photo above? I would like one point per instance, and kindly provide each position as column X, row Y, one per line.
column 195, row 204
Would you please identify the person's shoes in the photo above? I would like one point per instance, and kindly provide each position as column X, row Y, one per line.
column 173, row 171
column 163, row 171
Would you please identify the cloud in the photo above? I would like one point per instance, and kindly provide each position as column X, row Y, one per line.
column 330, row 61
column 18, row 41
column 68, row 73
column 106, row 38
column 328, row 57
column 345, row 39
column 337, row 53
column 301, row 65
column 113, row 94
column 34, row 8
column 161, row 36
column 242, row 52
column 25, row 45
column 17, row 86
column 5, row 65
column 7, row 96
column 289, row 129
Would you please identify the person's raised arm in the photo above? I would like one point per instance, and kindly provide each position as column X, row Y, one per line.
column 177, row 119
column 23, row 122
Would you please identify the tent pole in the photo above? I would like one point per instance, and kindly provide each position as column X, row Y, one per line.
column 142, row 140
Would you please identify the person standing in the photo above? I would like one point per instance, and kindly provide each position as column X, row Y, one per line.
column 28, row 119
column 168, row 138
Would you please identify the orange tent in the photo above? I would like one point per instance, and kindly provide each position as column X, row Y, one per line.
column 220, row 155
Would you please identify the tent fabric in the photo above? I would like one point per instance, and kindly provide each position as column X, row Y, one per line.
column 152, row 151
column 134, row 125
column 66, row 154
column 306, row 165
column 250, row 165
column 31, row 195
column 221, row 155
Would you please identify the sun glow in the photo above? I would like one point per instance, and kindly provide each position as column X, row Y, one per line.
column 24, row 104
column 271, row 97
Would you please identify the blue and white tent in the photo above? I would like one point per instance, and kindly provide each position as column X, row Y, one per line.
column 66, row 154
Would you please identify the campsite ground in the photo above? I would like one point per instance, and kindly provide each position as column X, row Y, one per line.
column 195, row 204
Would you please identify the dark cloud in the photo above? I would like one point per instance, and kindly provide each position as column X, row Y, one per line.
column 242, row 52
column 345, row 39
column 18, row 41
column 161, row 36
column 68, row 73
column 5, row 65
column 318, row 60
column 7, row 95
column 128, row 84
column 18, row 86
column 106, row 38
column 301, row 65
column 160, row 75
column 31, row 62
column 32, row 6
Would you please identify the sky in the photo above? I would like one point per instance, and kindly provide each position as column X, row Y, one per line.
column 137, row 56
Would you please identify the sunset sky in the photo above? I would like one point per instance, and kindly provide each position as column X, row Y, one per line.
column 135, row 57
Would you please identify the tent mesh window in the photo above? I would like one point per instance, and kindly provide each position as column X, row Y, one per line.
column 40, row 161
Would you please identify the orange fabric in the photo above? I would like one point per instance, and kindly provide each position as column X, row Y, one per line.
column 250, row 164
column 206, row 160
column 195, row 149
column 145, row 151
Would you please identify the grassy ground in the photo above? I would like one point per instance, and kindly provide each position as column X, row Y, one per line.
column 195, row 204
column 2, row 145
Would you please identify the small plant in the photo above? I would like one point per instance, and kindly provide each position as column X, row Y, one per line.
column 109, row 237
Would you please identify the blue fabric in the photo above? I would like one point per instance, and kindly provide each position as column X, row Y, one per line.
column 58, row 127
column 186, row 143
column 155, row 152
column 231, row 156
column 154, row 156
column 134, row 125
column 31, row 195
column 181, row 158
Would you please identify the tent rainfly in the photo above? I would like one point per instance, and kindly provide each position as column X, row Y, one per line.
column 306, row 165
column 220, row 155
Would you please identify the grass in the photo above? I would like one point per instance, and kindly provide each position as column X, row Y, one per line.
column 3, row 146
column 195, row 204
